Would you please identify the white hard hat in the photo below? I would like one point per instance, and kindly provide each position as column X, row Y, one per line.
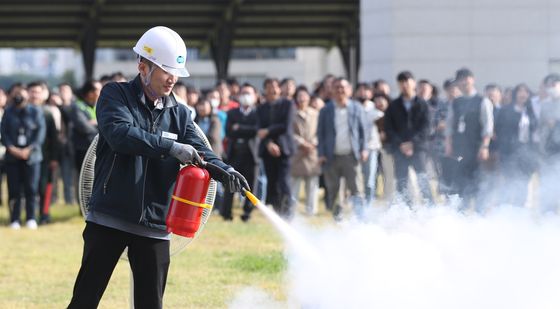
column 165, row 48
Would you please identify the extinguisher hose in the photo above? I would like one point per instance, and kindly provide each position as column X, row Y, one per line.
column 220, row 174
column 215, row 171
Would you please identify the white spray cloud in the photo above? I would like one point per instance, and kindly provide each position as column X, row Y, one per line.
column 253, row 298
column 429, row 258
column 432, row 258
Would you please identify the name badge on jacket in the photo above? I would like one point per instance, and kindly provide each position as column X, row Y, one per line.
column 169, row 135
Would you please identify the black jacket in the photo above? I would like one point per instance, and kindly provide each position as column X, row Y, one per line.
column 134, row 175
column 466, row 126
column 83, row 132
column 31, row 121
column 507, row 130
column 278, row 118
column 52, row 145
column 412, row 126
column 245, row 135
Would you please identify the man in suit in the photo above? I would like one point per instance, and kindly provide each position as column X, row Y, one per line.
column 241, row 131
column 341, row 144
column 407, row 125
column 277, row 146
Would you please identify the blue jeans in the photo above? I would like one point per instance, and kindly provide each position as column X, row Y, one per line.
column 369, row 173
column 418, row 162
column 262, row 183
column 23, row 176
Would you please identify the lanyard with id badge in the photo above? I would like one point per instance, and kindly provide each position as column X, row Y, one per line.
column 22, row 138
column 461, row 126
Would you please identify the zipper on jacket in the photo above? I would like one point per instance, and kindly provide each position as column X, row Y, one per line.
column 143, row 214
column 155, row 122
column 109, row 176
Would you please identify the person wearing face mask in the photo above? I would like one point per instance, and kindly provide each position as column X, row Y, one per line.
column 144, row 137
column 213, row 96
column 23, row 133
column 550, row 115
column 242, row 151
column 550, row 145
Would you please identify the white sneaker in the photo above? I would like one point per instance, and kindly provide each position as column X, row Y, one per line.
column 31, row 224
column 15, row 225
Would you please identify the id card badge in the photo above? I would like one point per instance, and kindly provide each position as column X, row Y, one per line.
column 21, row 139
column 169, row 135
column 462, row 126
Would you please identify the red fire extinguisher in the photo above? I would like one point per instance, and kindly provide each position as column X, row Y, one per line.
column 188, row 201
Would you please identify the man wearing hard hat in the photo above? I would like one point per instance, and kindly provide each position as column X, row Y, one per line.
column 144, row 135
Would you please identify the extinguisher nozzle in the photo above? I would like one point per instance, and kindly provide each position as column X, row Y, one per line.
column 253, row 199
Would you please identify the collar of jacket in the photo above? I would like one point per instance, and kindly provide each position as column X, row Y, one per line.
column 168, row 101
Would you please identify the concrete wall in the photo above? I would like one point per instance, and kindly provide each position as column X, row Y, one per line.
column 503, row 41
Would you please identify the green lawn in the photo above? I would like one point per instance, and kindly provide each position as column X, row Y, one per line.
column 38, row 268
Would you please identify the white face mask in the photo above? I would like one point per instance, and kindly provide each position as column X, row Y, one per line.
column 215, row 103
column 553, row 92
column 246, row 100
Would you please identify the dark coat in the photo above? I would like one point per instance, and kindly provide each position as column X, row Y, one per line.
column 32, row 121
column 412, row 126
column 134, row 174
column 83, row 131
column 507, row 130
column 52, row 145
column 278, row 118
column 245, row 134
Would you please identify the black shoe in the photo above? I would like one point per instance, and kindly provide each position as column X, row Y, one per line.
column 45, row 220
column 245, row 217
column 337, row 213
column 228, row 218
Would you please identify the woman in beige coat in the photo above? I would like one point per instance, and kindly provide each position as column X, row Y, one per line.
column 305, row 162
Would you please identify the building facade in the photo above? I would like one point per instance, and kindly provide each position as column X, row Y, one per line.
column 502, row 41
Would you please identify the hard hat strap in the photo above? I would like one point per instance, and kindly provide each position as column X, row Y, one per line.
column 147, row 81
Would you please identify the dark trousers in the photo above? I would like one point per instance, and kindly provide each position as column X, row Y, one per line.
column 22, row 175
column 446, row 168
column 517, row 168
column 418, row 162
column 278, row 184
column 2, row 172
column 467, row 179
column 248, row 168
column 67, row 174
column 148, row 258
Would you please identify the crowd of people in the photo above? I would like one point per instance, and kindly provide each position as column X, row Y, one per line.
column 485, row 147
column 45, row 135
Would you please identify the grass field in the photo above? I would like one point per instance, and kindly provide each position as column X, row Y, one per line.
column 38, row 268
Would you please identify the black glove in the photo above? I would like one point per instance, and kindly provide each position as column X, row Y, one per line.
column 235, row 182
column 185, row 153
